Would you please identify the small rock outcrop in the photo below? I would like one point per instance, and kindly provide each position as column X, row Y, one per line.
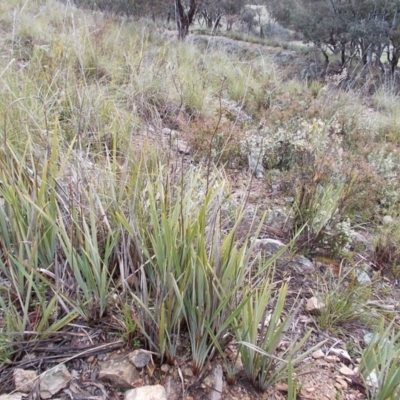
column 156, row 392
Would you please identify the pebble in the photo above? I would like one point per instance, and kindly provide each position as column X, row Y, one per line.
column 318, row 354
column 282, row 387
column 139, row 358
column 313, row 304
column 346, row 371
column 187, row 372
column 342, row 383
column 165, row 368
column 343, row 354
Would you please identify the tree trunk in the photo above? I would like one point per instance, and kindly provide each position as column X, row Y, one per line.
column 217, row 21
column 343, row 54
column 183, row 19
column 394, row 61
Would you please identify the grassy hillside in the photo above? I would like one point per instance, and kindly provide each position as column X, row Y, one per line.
column 105, row 223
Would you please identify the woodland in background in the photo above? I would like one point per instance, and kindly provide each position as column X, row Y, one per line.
column 361, row 31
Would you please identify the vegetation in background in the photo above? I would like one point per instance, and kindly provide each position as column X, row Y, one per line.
column 361, row 30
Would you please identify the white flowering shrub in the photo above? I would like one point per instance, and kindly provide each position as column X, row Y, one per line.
column 284, row 148
column 386, row 163
column 234, row 111
column 314, row 154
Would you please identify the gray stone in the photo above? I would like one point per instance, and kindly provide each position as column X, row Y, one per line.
column 139, row 358
column 363, row 278
column 24, row 379
column 119, row 371
column 368, row 338
column 255, row 165
column 156, row 392
column 270, row 246
column 54, row 380
column 301, row 264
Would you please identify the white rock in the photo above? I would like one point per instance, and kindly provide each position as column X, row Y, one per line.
column 13, row 396
column 182, row 147
column 387, row 220
column 343, row 354
column 313, row 304
column 372, row 380
column 156, row 392
column 24, row 379
column 139, row 358
column 54, row 380
column 346, row 371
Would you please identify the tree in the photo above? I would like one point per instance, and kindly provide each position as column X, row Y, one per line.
column 212, row 11
column 351, row 28
column 184, row 19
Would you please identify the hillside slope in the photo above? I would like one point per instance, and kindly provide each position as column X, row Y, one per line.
column 205, row 200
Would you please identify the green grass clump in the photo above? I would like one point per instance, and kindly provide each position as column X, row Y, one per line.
column 379, row 363
column 260, row 334
column 344, row 301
